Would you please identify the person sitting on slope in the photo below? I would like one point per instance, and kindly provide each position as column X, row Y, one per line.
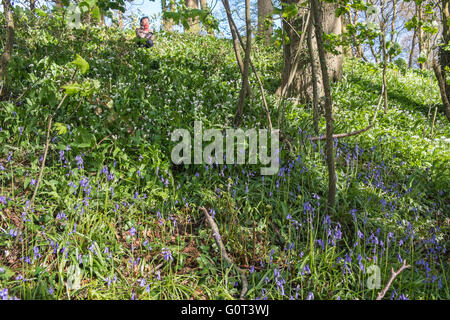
column 145, row 33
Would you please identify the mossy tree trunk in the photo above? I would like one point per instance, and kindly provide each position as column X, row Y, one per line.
column 296, row 79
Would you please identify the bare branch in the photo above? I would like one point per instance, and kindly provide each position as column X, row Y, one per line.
column 47, row 143
column 354, row 133
column 394, row 274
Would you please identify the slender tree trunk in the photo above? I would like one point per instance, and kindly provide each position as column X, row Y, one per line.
column 374, row 54
column 394, row 17
column 316, row 11
column 314, row 78
column 248, row 46
column 383, row 46
column 261, row 88
column 359, row 51
column 32, row 5
column 420, row 36
column 234, row 35
column 58, row 3
column 265, row 20
column 413, row 46
column 8, row 48
column 120, row 19
column 347, row 49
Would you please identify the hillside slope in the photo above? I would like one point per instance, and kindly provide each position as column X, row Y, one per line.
column 114, row 218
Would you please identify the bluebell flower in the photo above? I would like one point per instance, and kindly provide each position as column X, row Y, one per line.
column 167, row 255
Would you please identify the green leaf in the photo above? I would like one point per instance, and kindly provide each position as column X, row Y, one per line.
column 96, row 13
column 5, row 273
column 81, row 64
column 83, row 138
column 61, row 128
column 72, row 89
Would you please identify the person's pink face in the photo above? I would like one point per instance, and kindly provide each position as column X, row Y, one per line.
column 145, row 22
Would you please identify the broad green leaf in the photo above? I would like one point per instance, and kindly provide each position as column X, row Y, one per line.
column 82, row 64
column 61, row 128
column 95, row 13
column 72, row 89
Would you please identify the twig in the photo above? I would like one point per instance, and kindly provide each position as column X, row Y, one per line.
column 434, row 119
column 428, row 120
column 393, row 276
column 354, row 133
column 98, row 143
column 46, row 149
column 223, row 252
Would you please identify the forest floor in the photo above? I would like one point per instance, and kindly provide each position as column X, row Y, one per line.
column 114, row 218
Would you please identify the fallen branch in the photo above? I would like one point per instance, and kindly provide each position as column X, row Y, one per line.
column 393, row 276
column 47, row 143
column 354, row 133
column 223, row 251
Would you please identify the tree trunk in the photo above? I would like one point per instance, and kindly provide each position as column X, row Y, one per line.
column 234, row 35
column 32, row 5
column 441, row 83
column 120, row 19
column 413, row 46
column 314, row 77
column 394, row 17
column 420, row 36
column 265, row 20
column 358, row 49
column 384, row 54
column 168, row 6
column 444, row 55
column 194, row 24
column 318, row 22
column 296, row 58
column 58, row 3
column 8, row 49
column 204, row 6
column 248, row 46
